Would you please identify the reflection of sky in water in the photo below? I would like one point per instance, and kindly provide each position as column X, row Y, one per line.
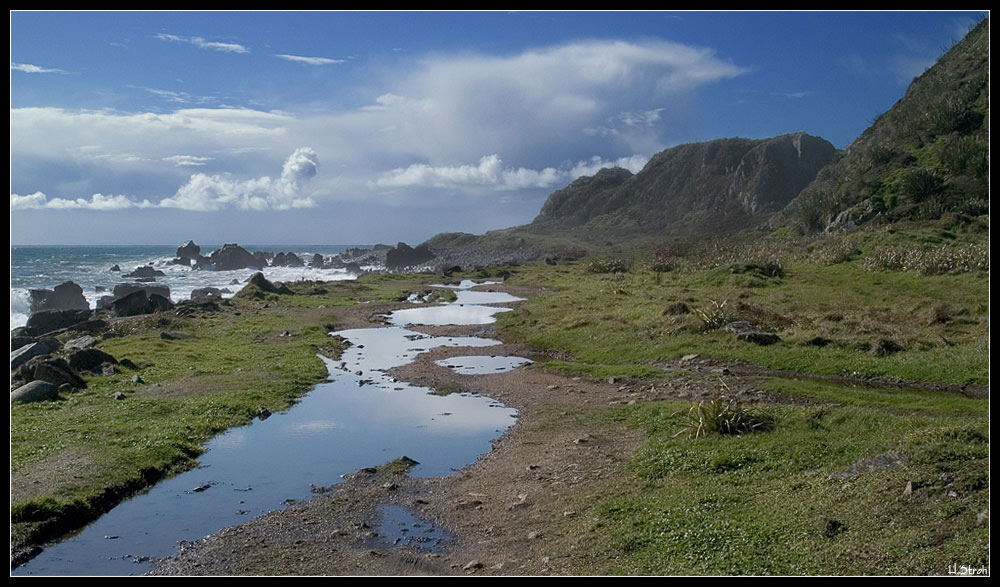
column 482, row 364
column 444, row 315
column 353, row 421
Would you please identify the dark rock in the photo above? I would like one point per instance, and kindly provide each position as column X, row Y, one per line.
column 115, row 268
column 550, row 261
column 175, row 336
column 677, row 309
column 317, row 261
column 18, row 341
column 206, row 292
column 748, row 332
column 287, row 260
column 232, row 257
column 353, row 268
column 34, row 391
column 55, row 370
column 189, row 251
column 449, row 270
column 160, row 303
column 128, row 364
column 133, row 304
column 65, row 296
column 145, row 272
column 46, row 321
column 123, row 289
column 818, row 341
column 263, row 413
column 83, row 342
column 258, row 281
column 405, row 256
column 41, row 347
column 90, row 359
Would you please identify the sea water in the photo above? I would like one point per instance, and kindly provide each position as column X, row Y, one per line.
column 89, row 266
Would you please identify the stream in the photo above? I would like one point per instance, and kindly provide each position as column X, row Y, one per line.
column 361, row 417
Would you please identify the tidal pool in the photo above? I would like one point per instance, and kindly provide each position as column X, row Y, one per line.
column 362, row 417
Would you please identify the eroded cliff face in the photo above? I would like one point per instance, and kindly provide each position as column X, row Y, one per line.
column 706, row 186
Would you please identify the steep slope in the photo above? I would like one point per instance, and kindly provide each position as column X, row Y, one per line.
column 715, row 186
column 926, row 157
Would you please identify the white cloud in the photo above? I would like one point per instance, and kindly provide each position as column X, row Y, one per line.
column 204, row 44
column 311, row 60
column 187, row 160
column 206, row 193
column 28, row 68
column 490, row 173
column 38, row 200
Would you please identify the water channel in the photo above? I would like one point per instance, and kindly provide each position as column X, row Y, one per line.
column 362, row 417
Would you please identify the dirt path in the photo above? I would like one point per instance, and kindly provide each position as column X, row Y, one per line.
column 525, row 508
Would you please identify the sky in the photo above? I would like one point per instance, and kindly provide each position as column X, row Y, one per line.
column 363, row 127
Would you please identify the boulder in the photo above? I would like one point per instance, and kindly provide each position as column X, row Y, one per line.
column 83, row 342
column 41, row 347
column 133, row 304
column 90, row 359
column 189, row 250
column 405, row 256
column 232, row 257
column 46, row 321
column 34, row 391
column 748, row 332
column 287, row 260
column 55, row 370
column 258, row 281
column 66, row 296
column 17, row 341
column 317, row 261
column 145, row 272
column 123, row 289
column 206, row 292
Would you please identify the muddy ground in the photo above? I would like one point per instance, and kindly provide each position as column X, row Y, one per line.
column 525, row 508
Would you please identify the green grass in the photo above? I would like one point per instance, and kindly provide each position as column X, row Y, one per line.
column 619, row 323
column 772, row 502
column 74, row 457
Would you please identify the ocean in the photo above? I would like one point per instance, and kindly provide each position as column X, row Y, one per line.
column 89, row 266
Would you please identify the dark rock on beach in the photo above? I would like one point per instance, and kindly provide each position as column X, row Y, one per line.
column 46, row 321
column 145, row 272
column 66, row 296
column 404, row 256
column 287, row 260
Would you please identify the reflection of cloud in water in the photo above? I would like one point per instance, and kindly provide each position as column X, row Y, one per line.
column 233, row 438
column 315, row 426
column 444, row 315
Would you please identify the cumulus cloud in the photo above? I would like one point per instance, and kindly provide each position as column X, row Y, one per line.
column 28, row 68
column 311, row 60
column 206, row 193
column 204, row 44
column 490, row 173
column 38, row 201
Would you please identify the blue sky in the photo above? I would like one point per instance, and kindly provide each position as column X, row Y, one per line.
column 364, row 127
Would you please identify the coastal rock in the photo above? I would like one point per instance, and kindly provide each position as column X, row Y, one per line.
column 83, row 342
column 90, row 359
column 66, row 296
column 34, row 391
column 145, row 272
column 232, row 257
column 404, row 256
column 206, row 292
column 139, row 302
column 258, row 282
column 46, row 321
column 287, row 260
column 123, row 289
column 317, row 261
column 39, row 348
column 189, row 250
column 55, row 370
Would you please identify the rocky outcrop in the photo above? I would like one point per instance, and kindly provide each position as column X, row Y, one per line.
column 123, row 290
column 139, row 302
column 38, row 348
column 403, row 256
column 206, row 292
column 287, row 260
column 66, row 296
column 258, row 283
column 232, row 257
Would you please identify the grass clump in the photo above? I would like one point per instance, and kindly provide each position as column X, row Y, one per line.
column 723, row 416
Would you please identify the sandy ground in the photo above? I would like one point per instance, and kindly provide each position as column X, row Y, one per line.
column 525, row 508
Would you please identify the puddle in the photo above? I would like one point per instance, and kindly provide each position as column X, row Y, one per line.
column 400, row 527
column 483, row 364
column 468, row 309
column 361, row 417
